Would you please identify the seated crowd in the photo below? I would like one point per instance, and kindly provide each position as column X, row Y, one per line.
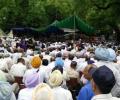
column 60, row 71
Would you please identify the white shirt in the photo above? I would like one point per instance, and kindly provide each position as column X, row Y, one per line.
column 16, row 56
column 6, row 63
column 42, row 73
column 49, row 69
column 67, row 63
column 25, row 94
column 104, row 97
column 3, row 64
column 27, row 62
column 72, row 73
column 47, row 57
column 18, row 69
column 118, row 58
column 51, row 65
column 61, row 94
column 13, row 97
column 9, row 62
column 29, row 52
column 81, row 66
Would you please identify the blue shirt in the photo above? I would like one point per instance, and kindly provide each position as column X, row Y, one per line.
column 86, row 92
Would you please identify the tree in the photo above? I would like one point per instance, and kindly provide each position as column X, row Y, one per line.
column 7, row 13
column 102, row 14
column 32, row 13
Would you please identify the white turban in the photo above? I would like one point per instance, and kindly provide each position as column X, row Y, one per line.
column 102, row 54
column 112, row 54
column 42, row 92
column 56, row 78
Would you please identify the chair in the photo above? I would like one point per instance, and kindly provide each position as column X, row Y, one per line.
column 74, row 86
column 72, row 83
column 19, row 81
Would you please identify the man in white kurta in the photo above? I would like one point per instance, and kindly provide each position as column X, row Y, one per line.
column 18, row 69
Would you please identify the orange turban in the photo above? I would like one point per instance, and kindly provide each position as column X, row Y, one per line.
column 36, row 62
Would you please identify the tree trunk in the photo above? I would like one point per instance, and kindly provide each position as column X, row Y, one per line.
column 117, row 33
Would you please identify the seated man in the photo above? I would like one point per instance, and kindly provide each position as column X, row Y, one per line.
column 103, row 81
column 19, row 68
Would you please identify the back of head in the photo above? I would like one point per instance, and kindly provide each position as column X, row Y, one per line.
column 52, row 59
column 36, row 62
column 47, row 52
column 73, row 64
column 60, row 68
column 102, row 54
column 45, row 62
column 86, row 71
column 21, row 60
column 71, row 56
column 58, row 55
column 104, row 79
column 56, row 78
column 42, row 92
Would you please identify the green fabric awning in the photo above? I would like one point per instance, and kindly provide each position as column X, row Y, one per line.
column 75, row 22
column 54, row 23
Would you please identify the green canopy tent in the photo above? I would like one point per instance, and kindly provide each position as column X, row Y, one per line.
column 75, row 23
column 52, row 30
column 54, row 23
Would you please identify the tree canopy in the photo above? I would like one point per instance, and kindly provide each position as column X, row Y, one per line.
column 101, row 14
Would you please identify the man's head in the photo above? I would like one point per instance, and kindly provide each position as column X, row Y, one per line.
column 86, row 73
column 58, row 55
column 45, row 62
column 71, row 57
column 103, row 80
column 73, row 64
column 21, row 60
column 52, row 59
column 36, row 62
column 105, row 54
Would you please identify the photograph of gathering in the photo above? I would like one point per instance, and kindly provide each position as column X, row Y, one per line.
column 59, row 50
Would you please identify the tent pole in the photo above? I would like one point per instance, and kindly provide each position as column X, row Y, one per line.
column 74, row 26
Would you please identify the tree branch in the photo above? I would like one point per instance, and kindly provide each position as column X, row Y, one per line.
column 107, row 6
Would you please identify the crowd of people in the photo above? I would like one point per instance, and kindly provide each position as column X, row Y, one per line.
column 35, row 70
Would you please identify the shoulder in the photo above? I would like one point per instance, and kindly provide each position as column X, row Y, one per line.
column 22, row 91
column 86, row 89
column 65, row 91
column 115, row 98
